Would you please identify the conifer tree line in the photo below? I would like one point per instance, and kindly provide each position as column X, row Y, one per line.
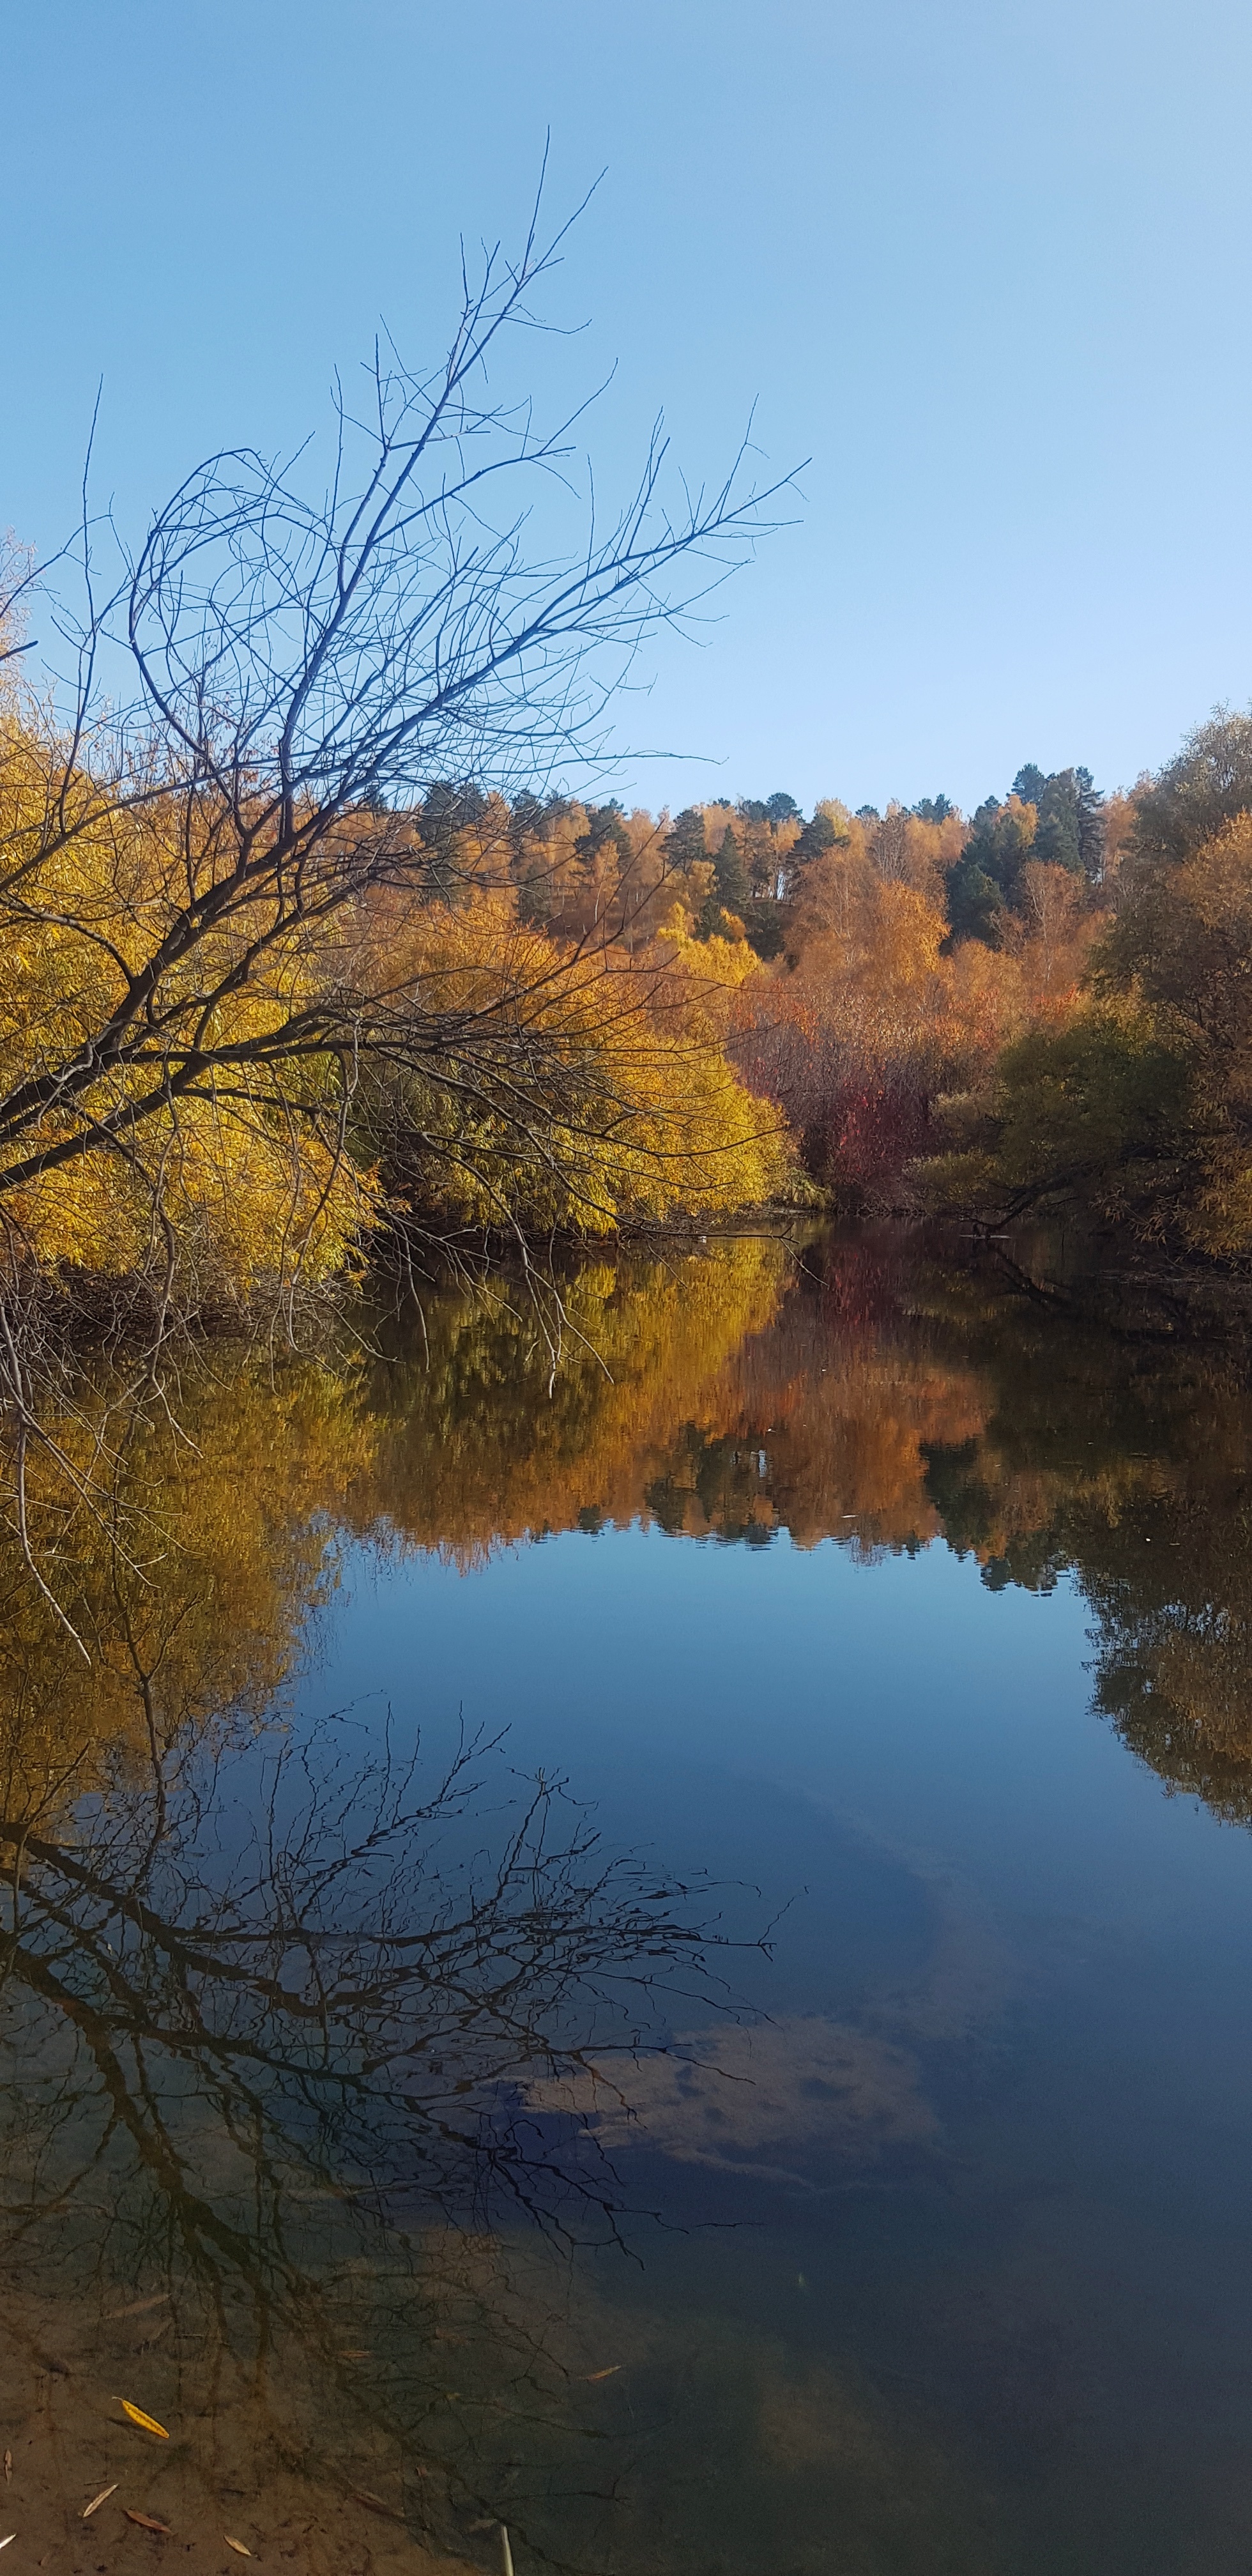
column 735, row 867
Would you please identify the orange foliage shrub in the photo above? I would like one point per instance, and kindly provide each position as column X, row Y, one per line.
column 877, row 1014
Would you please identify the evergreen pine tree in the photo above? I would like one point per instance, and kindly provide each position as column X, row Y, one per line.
column 686, row 842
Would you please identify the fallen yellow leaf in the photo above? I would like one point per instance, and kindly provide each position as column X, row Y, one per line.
column 102, row 2498
column 236, row 2545
column 147, row 2423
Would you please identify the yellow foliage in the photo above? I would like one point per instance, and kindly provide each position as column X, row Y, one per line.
column 236, row 1174
column 983, row 1003
column 871, row 963
column 610, row 1098
column 203, row 1131
column 714, row 961
column 188, row 1557
column 481, row 1443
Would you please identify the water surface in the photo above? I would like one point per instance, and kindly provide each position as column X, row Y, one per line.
column 640, row 1929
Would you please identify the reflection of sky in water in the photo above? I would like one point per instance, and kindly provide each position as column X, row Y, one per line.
column 990, row 2161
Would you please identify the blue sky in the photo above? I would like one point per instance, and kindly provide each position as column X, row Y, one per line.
column 985, row 264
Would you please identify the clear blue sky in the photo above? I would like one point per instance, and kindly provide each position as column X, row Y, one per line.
column 987, row 263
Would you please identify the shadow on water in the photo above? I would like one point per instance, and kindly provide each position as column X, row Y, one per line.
column 419, row 2158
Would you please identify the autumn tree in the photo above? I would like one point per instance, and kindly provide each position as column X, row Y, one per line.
column 1051, row 930
column 1137, row 1108
column 190, row 874
column 846, row 1041
column 279, row 723
column 1204, row 787
column 643, row 1115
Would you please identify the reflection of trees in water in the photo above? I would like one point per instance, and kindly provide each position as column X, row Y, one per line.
column 889, row 1399
column 1170, row 1580
column 316, row 2074
column 1123, row 1460
column 821, row 1422
column 863, row 1392
column 693, row 1391
column 479, row 1441
column 885, row 1399
column 275, row 2013
column 188, row 1565
column 895, row 1399
column 304, row 2085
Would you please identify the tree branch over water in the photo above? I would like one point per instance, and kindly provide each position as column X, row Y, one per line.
column 303, row 671
column 244, row 986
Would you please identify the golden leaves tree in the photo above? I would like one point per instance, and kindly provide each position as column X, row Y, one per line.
column 200, row 828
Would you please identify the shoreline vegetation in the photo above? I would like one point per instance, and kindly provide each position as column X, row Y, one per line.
column 608, row 1047
column 531, row 1026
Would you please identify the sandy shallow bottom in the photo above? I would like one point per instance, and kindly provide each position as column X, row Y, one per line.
column 229, row 2469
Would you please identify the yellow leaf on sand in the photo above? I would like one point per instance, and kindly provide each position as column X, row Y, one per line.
column 146, row 2423
column 102, row 2498
column 236, row 2545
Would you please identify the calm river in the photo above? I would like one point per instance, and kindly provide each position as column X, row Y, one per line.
column 640, row 1930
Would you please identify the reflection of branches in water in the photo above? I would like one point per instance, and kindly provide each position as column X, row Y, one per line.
column 295, row 2030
